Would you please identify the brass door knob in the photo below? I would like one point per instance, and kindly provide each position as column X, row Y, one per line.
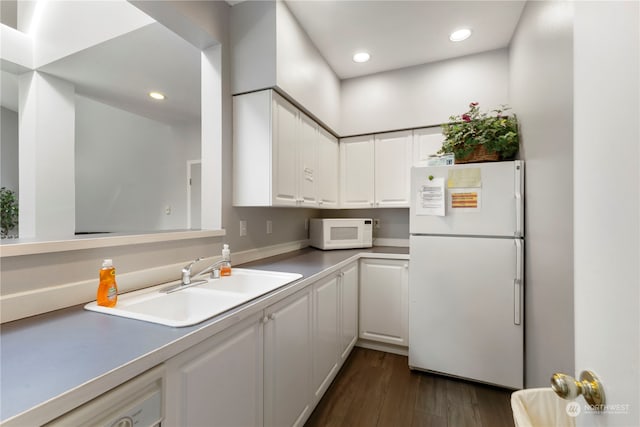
column 589, row 387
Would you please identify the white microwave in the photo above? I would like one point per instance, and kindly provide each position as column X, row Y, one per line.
column 341, row 233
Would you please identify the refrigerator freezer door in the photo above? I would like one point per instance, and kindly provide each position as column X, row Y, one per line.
column 462, row 301
column 499, row 192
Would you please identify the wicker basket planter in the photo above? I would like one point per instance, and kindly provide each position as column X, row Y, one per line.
column 479, row 154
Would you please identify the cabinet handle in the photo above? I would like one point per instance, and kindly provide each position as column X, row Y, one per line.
column 265, row 319
column 406, row 266
column 272, row 316
column 371, row 203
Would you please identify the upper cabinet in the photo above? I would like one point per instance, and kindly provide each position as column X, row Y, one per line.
column 327, row 185
column 375, row 170
column 426, row 142
column 281, row 157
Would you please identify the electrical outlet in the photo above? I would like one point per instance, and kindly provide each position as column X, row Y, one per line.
column 269, row 226
column 167, row 210
column 376, row 223
column 243, row 228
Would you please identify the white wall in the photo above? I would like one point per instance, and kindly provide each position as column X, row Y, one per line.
column 253, row 36
column 607, row 204
column 128, row 170
column 46, row 132
column 66, row 27
column 541, row 69
column 423, row 95
column 302, row 72
column 270, row 49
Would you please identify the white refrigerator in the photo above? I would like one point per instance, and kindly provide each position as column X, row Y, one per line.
column 466, row 270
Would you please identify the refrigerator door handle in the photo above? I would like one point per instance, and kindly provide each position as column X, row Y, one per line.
column 518, row 198
column 517, row 285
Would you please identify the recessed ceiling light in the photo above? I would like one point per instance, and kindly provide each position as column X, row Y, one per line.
column 157, row 95
column 361, row 57
column 459, row 35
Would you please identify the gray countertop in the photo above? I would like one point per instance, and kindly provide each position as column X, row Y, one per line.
column 47, row 357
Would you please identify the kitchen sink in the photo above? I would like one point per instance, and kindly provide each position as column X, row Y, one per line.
column 195, row 304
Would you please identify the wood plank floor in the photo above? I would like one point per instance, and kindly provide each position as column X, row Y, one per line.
column 376, row 389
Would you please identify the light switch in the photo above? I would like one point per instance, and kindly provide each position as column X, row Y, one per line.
column 269, row 226
column 243, row 228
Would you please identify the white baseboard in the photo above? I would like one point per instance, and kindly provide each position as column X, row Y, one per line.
column 379, row 346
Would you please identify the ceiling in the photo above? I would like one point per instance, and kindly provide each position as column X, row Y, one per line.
column 401, row 34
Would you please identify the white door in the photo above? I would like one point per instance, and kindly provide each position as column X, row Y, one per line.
column 194, row 194
column 285, row 151
column 307, row 161
column 218, row 382
column 606, row 211
column 498, row 189
column 288, row 361
column 384, row 300
column 356, row 172
column 426, row 142
column 392, row 169
column 325, row 334
column 349, row 309
column 328, row 169
column 465, row 308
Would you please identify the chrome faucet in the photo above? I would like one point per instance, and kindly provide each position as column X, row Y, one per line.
column 214, row 269
column 188, row 280
column 186, row 271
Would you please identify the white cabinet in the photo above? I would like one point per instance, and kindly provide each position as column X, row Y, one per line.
column 219, row 381
column 281, row 157
column 335, row 325
column 348, row 309
column 288, row 360
column 384, row 287
column 327, row 185
column 375, row 170
column 426, row 142
column 357, row 172
column 270, row 369
column 326, row 339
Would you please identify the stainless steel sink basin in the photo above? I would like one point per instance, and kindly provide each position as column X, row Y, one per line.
column 198, row 303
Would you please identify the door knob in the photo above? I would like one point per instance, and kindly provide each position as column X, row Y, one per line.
column 589, row 387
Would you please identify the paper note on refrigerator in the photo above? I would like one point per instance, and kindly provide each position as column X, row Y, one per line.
column 464, row 178
column 465, row 199
column 431, row 198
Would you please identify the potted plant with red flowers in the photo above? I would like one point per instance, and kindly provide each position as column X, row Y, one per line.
column 479, row 137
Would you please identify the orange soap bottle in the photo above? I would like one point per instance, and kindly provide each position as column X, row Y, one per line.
column 225, row 268
column 107, row 289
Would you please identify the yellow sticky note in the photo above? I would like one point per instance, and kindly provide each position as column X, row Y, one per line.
column 464, row 178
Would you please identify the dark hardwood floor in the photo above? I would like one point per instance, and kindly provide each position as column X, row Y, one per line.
column 378, row 389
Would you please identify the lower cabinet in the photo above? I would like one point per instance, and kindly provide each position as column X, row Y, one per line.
column 384, row 289
column 270, row 369
column 287, row 361
column 219, row 381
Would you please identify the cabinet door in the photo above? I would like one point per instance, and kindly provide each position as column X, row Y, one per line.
column 325, row 334
column 328, row 169
column 285, row 152
column 356, row 172
column 349, row 309
column 218, row 382
column 426, row 142
column 393, row 169
column 307, row 164
column 287, row 361
column 384, row 300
